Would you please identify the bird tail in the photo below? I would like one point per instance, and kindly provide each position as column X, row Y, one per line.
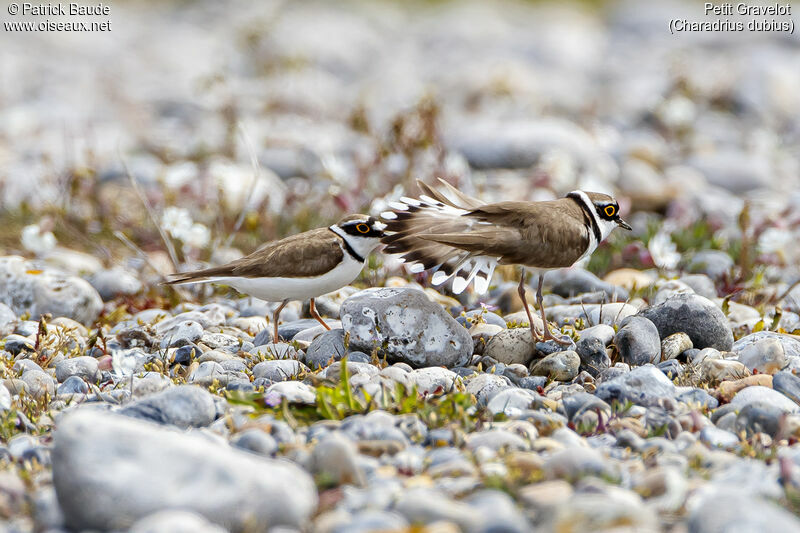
column 412, row 227
column 194, row 276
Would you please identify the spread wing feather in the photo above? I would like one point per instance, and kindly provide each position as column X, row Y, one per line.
column 463, row 239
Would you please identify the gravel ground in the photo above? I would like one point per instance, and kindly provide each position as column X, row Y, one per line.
column 126, row 405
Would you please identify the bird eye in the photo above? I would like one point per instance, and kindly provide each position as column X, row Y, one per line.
column 610, row 210
column 362, row 228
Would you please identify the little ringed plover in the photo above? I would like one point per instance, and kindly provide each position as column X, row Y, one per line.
column 299, row 267
column 464, row 239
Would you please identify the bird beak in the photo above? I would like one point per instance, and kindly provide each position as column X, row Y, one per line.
column 621, row 223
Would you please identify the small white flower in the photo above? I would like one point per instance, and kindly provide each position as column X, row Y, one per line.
column 176, row 221
column 37, row 241
column 198, row 236
column 663, row 250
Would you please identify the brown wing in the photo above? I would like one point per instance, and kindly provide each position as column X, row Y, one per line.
column 550, row 234
column 308, row 254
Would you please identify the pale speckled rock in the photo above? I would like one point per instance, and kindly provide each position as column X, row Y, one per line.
column 23, row 289
column 511, row 346
column 498, row 439
column 429, row 380
column 561, row 366
column 313, row 333
column 485, row 386
column 674, row 345
column 147, row 468
column 405, row 326
column 767, row 356
column 714, row 370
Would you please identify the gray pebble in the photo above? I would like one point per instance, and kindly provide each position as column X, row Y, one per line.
column 638, row 342
column 73, row 385
column 185, row 332
column 113, row 282
column 183, row 406
column 335, row 459
column 83, row 367
column 759, row 394
column 38, row 384
column 694, row 315
column 787, row 384
column 325, row 348
column 257, row 441
column 511, row 346
column 147, row 468
column 278, row 369
column 560, row 366
column 645, row 385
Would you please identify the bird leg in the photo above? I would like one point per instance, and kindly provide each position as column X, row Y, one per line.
column 313, row 310
column 521, row 291
column 275, row 319
column 547, row 334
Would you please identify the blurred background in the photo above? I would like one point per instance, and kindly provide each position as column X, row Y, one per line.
column 228, row 124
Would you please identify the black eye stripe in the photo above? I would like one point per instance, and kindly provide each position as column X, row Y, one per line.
column 361, row 229
column 607, row 211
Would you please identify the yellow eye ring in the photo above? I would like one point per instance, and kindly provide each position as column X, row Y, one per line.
column 610, row 210
column 362, row 228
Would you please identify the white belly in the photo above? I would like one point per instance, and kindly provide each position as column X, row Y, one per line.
column 279, row 289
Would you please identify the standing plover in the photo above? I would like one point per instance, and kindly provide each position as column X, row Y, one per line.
column 299, row 267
